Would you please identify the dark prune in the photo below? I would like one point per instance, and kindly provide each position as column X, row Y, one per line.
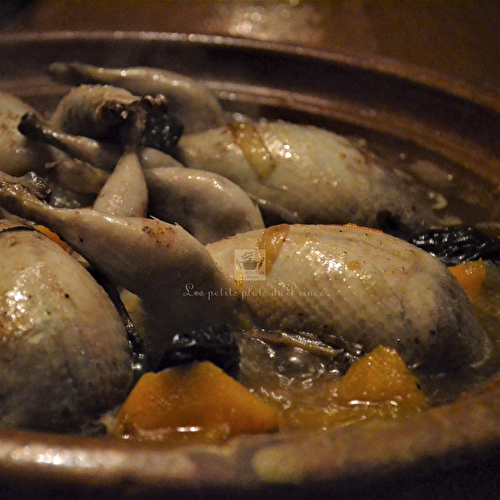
column 456, row 245
column 162, row 132
column 140, row 363
column 392, row 224
column 218, row 346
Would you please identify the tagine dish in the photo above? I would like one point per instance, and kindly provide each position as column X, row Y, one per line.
column 195, row 261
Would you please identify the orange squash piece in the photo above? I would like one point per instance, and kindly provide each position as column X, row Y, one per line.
column 381, row 376
column 54, row 237
column 198, row 399
column 471, row 275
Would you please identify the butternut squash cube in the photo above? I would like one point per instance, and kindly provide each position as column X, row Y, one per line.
column 471, row 276
column 54, row 237
column 380, row 376
column 197, row 396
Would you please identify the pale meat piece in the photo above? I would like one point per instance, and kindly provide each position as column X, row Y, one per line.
column 366, row 286
column 100, row 154
column 19, row 155
column 207, row 205
column 188, row 100
column 309, row 175
column 65, row 359
column 125, row 191
column 94, row 111
column 162, row 263
column 363, row 285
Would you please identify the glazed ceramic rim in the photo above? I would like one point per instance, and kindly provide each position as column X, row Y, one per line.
column 381, row 64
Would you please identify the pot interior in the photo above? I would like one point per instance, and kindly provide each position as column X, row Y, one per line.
column 441, row 130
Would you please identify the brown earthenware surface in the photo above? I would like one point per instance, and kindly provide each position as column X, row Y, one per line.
column 458, row 38
column 447, row 452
